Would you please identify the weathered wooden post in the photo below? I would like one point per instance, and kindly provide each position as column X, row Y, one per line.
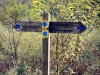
column 45, row 44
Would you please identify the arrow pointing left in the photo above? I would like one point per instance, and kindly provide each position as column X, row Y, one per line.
column 28, row 26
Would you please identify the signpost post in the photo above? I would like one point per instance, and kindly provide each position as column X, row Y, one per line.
column 47, row 27
column 45, row 44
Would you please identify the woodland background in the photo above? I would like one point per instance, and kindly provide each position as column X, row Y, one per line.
column 21, row 52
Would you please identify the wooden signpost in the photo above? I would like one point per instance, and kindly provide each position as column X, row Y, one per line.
column 46, row 44
column 47, row 27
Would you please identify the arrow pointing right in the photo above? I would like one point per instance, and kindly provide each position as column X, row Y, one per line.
column 66, row 27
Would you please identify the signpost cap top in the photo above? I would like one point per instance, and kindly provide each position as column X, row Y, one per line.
column 46, row 16
column 45, row 12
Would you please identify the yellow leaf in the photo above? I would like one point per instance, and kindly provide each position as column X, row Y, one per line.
column 85, row 17
column 72, row 14
column 70, row 8
column 36, row 1
column 88, row 7
column 89, row 20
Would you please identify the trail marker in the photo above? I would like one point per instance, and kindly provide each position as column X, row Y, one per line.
column 47, row 27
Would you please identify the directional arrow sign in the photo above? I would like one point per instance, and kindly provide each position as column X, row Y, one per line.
column 66, row 27
column 54, row 27
column 28, row 26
